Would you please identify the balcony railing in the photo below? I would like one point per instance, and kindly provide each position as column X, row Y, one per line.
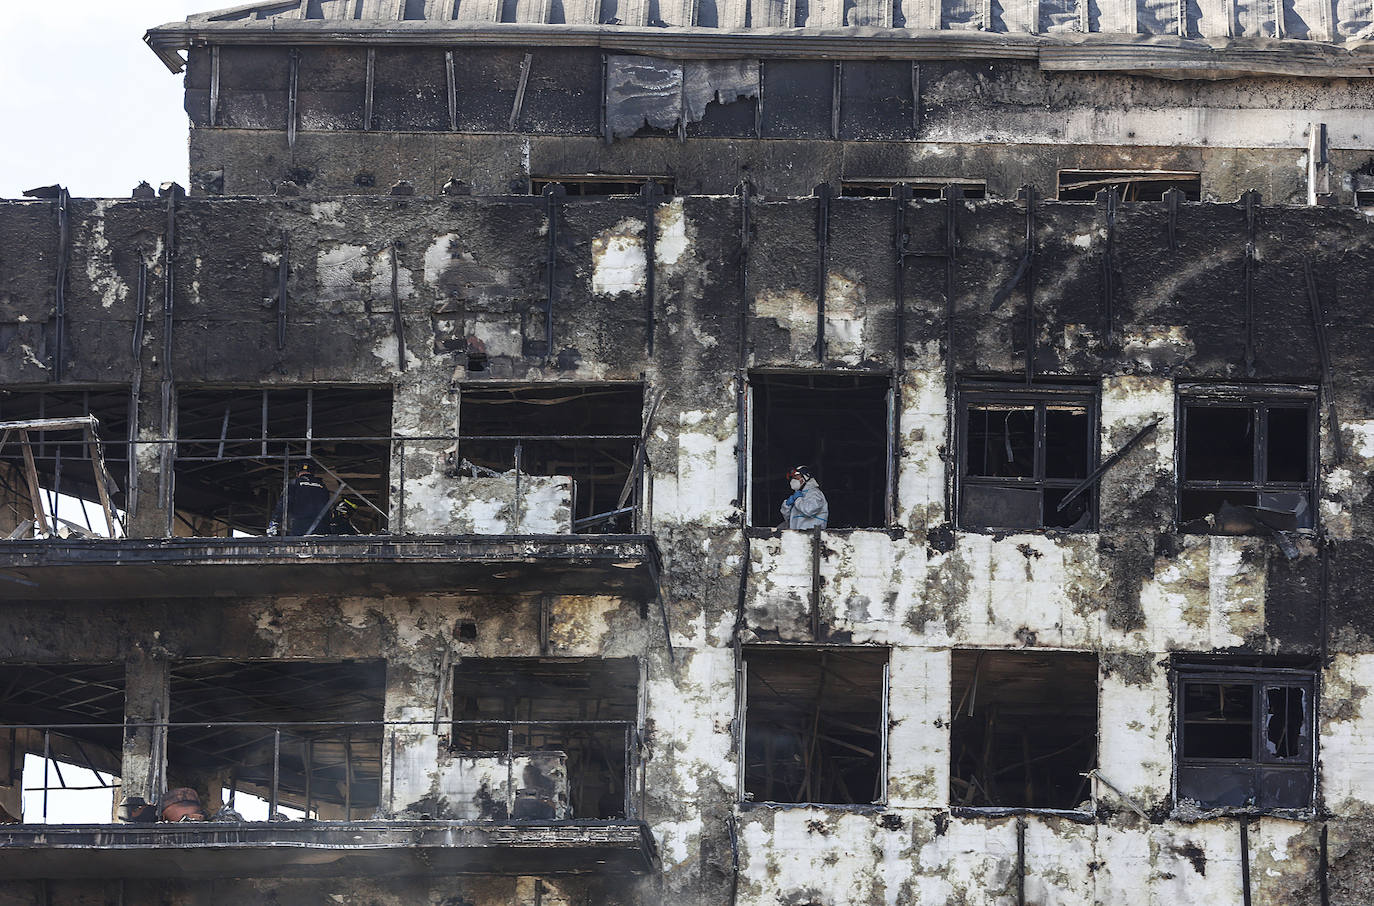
column 229, row 486
column 551, row 770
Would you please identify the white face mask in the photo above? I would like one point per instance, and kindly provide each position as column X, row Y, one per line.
column 796, row 484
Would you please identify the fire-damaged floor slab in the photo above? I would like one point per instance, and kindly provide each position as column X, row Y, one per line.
column 244, row 567
column 298, row 849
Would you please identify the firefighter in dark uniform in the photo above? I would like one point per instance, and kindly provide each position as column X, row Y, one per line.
column 303, row 503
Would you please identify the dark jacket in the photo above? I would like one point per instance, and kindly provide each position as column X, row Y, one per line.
column 306, row 498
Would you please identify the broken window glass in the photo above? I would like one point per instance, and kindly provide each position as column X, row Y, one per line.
column 1244, row 737
column 814, row 725
column 1024, row 728
column 1247, row 461
column 1024, row 452
column 1285, row 721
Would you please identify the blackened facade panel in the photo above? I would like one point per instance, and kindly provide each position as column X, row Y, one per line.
column 876, row 100
column 564, row 93
column 332, row 86
column 797, row 98
column 487, row 80
column 411, row 93
column 254, row 87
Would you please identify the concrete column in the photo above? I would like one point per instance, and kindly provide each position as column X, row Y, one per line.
column 147, row 698
column 424, row 405
column 411, row 752
column 148, row 518
column 11, row 776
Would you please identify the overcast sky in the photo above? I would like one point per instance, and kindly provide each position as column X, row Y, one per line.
column 85, row 103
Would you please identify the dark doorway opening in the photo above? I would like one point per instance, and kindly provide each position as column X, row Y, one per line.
column 839, row 426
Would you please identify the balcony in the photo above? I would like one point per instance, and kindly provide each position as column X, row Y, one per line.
column 65, row 569
column 510, row 811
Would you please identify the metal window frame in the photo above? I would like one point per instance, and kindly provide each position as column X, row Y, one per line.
column 971, row 392
column 741, row 723
column 1259, row 679
column 1259, row 399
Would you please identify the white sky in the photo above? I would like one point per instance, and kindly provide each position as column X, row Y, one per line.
column 85, row 102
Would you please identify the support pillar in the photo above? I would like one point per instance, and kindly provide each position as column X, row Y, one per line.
column 147, row 699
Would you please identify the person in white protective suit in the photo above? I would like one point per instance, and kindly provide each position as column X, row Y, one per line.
column 807, row 507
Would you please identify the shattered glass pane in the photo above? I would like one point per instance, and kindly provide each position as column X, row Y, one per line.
column 1001, row 441
column 1220, row 444
column 1285, row 721
column 1217, row 720
column 1077, row 515
column 1288, row 445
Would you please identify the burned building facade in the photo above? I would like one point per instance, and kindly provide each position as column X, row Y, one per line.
column 1066, row 307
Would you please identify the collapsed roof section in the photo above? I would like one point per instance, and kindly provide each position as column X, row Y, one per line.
column 1150, row 37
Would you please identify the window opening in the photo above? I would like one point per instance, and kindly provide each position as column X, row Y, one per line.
column 61, row 743
column 238, row 448
column 1024, row 728
column 316, row 722
column 1364, row 198
column 1131, row 185
column 1023, row 452
column 1245, row 736
column 926, row 189
column 592, row 184
column 1247, row 462
column 815, row 729
column 835, row 424
column 562, row 727
column 588, row 434
column 52, row 426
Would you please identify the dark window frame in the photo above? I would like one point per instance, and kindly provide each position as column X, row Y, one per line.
column 1260, row 400
column 1201, row 770
column 970, row 393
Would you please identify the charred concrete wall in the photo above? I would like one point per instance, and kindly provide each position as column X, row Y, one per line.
column 1007, row 123
column 1135, row 303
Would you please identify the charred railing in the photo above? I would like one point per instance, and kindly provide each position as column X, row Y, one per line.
column 296, row 764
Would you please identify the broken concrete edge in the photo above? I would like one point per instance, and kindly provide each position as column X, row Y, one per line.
column 1154, row 55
